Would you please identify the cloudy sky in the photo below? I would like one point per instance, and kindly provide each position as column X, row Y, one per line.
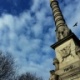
column 27, row 30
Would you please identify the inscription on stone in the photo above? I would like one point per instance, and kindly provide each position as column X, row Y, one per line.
column 69, row 68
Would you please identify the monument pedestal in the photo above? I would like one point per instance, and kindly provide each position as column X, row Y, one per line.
column 70, row 72
column 68, row 54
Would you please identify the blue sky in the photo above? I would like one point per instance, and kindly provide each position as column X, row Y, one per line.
column 27, row 30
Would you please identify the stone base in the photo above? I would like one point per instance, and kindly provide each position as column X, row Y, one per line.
column 73, row 75
column 71, row 72
column 68, row 56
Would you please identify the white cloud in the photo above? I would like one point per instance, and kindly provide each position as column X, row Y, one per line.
column 27, row 48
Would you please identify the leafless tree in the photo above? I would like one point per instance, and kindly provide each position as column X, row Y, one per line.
column 29, row 76
column 6, row 67
column 7, row 71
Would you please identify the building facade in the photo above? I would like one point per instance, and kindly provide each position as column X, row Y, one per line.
column 67, row 49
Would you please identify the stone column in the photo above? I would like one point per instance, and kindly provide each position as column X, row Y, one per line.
column 59, row 20
column 61, row 26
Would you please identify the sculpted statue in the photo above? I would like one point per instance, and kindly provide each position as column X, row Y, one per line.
column 68, row 50
column 56, row 63
column 62, row 32
column 65, row 52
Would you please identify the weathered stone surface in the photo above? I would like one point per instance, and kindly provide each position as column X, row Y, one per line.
column 66, row 53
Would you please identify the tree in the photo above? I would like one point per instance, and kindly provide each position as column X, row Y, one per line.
column 29, row 76
column 6, row 67
column 7, row 71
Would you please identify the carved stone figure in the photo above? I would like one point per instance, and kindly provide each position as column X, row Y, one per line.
column 62, row 32
column 66, row 51
column 69, row 50
column 56, row 63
